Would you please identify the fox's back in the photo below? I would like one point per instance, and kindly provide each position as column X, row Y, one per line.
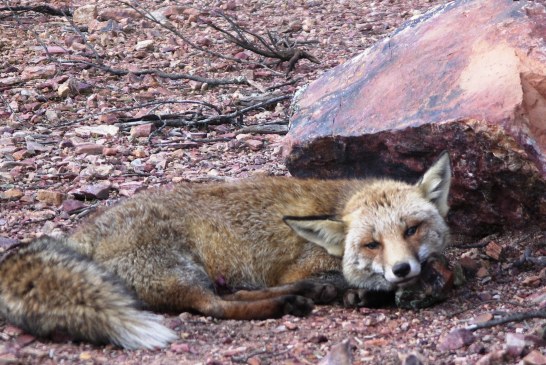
column 235, row 229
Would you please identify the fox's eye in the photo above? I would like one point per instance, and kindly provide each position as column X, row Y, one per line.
column 372, row 245
column 411, row 231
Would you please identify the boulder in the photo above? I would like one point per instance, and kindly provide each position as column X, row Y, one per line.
column 469, row 77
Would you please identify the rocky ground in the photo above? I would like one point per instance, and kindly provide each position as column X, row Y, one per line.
column 77, row 133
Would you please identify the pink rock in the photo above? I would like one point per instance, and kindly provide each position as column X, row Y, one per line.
column 109, row 151
column 143, row 130
column 254, row 144
column 37, row 72
column 12, row 194
column 85, row 14
column 89, row 149
column 430, row 87
column 95, row 191
column 50, row 197
column 117, row 14
column 55, row 50
column 456, row 339
column 534, row 358
column 71, row 205
column 339, row 354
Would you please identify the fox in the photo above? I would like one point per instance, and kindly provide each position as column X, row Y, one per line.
column 255, row 248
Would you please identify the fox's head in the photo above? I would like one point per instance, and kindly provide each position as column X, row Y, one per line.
column 387, row 229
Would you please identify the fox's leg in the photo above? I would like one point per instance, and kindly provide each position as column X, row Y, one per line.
column 179, row 283
column 320, row 291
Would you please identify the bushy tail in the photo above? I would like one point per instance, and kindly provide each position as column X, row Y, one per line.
column 46, row 288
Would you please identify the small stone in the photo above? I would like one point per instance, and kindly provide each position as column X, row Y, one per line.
column 108, row 119
column 482, row 273
column 146, row 44
column 36, row 72
column 254, row 361
column 532, row 281
column 143, row 130
column 89, row 149
column 291, row 326
column 12, row 194
column 139, row 153
column 97, row 130
column 51, row 115
column 85, row 356
column 515, row 343
column 72, row 205
column 50, row 197
column 21, row 154
column 130, row 188
column 36, row 146
column 180, row 347
column 101, row 171
column 63, row 90
column 254, row 144
column 534, row 358
column 243, row 136
column 456, row 339
column 85, row 14
column 96, row 191
column 109, row 151
column 481, row 318
column 494, row 250
column 493, row 358
column 339, row 354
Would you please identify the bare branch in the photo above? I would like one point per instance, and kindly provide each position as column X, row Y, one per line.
column 43, row 9
column 516, row 317
column 178, row 120
column 281, row 49
column 241, row 80
column 140, row 106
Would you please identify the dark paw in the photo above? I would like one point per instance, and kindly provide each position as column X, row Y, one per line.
column 367, row 298
column 354, row 298
column 320, row 293
column 297, row 305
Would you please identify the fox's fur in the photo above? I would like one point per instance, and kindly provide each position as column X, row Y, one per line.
column 287, row 242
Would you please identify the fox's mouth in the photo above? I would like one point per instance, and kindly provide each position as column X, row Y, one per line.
column 407, row 281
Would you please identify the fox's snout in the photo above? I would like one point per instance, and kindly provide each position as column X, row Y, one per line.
column 403, row 271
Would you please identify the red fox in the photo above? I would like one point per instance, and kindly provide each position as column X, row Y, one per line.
column 282, row 243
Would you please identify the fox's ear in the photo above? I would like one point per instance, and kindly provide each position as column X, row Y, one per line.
column 325, row 231
column 436, row 181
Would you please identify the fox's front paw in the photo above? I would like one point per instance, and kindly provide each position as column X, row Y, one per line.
column 297, row 305
column 320, row 293
column 355, row 298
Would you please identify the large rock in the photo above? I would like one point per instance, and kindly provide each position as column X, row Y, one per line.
column 469, row 77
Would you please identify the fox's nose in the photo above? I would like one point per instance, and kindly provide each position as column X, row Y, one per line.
column 401, row 269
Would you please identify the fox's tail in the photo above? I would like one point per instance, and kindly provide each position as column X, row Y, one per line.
column 47, row 288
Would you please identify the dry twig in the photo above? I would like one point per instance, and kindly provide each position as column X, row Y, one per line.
column 241, row 80
column 276, row 47
column 43, row 9
column 179, row 120
column 516, row 317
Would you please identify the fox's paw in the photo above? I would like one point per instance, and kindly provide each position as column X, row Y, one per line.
column 355, row 298
column 320, row 293
column 296, row 305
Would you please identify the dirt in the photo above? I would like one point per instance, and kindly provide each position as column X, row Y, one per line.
column 54, row 172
